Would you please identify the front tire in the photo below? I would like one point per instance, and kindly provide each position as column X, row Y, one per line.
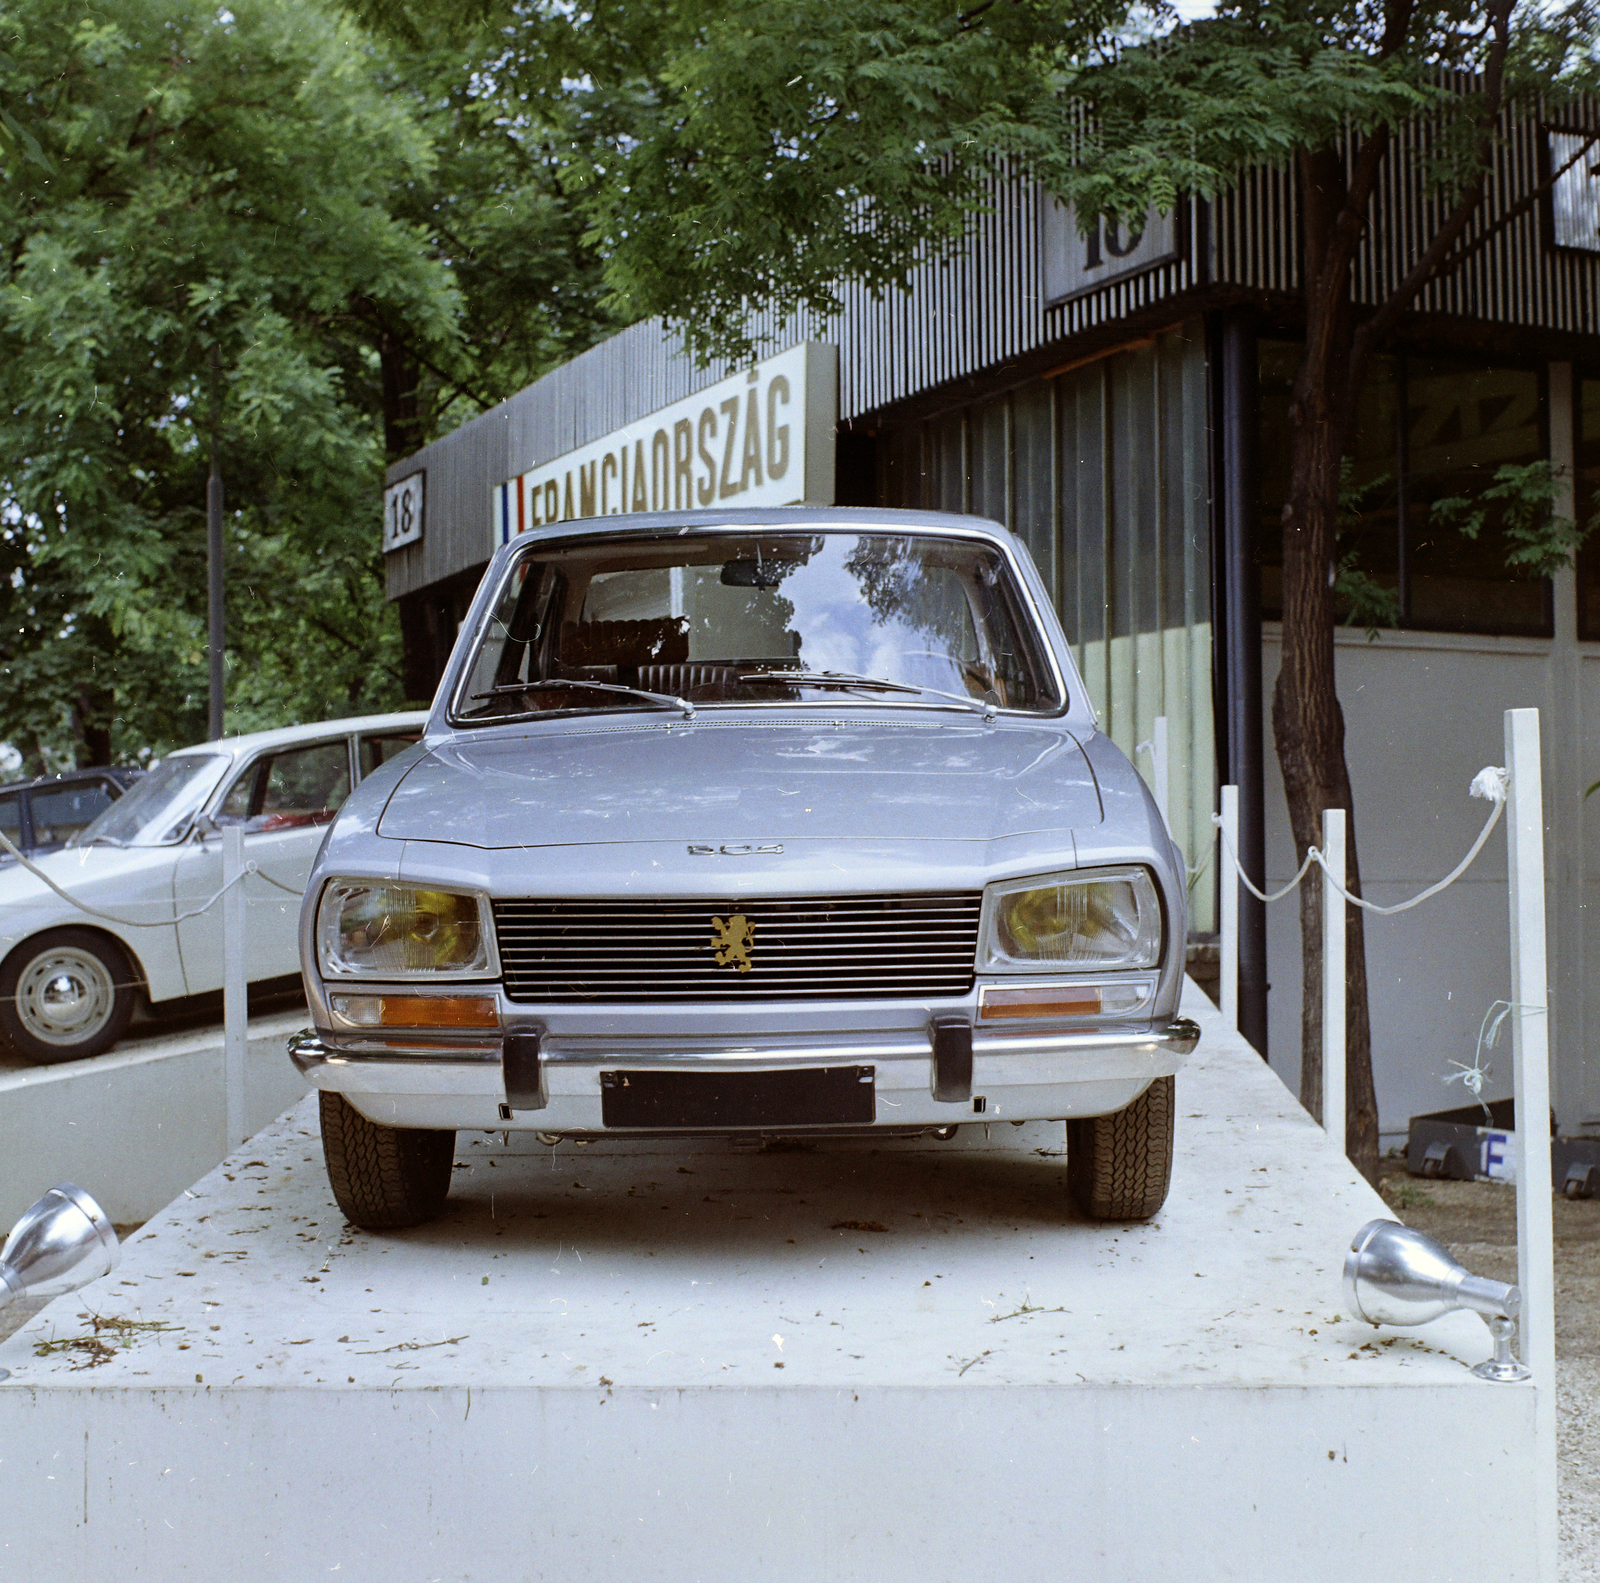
column 383, row 1178
column 1120, row 1166
column 65, row 995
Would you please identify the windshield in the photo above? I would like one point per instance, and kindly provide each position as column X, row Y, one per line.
column 158, row 808
column 765, row 618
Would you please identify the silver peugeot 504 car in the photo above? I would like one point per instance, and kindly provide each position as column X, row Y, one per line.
column 789, row 823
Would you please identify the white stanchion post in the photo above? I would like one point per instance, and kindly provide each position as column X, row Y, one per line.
column 1530, row 1046
column 1333, row 976
column 1162, row 787
column 1228, row 892
column 235, row 1010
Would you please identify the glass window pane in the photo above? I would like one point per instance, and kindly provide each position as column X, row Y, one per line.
column 722, row 619
column 1373, row 531
column 1588, row 505
column 988, row 422
column 381, row 746
column 10, row 822
column 304, row 787
column 235, row 807
column 60, row 812
column 1462, row 423
column 1276, row 364
column 1033, row 476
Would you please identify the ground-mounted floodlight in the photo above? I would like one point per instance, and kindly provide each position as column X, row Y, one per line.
column 63, row 1242
column 1396, row 1276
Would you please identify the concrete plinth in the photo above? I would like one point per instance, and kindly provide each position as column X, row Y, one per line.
column 644, row 1361
column 137, row 1126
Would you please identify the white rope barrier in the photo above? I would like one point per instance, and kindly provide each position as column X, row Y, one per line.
column 1491, row 783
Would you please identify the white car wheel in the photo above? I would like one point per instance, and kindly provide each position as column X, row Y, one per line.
column 65, row 995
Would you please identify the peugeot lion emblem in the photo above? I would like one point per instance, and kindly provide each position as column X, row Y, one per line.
column 733, row 939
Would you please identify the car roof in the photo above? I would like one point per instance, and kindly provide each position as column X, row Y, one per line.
column 841, row 518
column 314, row 731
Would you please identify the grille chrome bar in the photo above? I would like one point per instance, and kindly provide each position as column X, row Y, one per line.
column 800, row 948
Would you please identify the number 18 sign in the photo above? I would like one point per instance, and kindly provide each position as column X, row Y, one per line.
column 402, row 513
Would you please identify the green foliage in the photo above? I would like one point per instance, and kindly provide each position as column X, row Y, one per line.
column 210, row 180
column 372, row 252
column 1522, row 501
column 760, row 152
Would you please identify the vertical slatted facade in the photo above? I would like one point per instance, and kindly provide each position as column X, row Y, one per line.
column 1102, row 471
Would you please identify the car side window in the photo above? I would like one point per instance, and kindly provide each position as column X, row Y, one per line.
column 60, row 812
column 11, row 822
column 378, row 747
column 289, row 790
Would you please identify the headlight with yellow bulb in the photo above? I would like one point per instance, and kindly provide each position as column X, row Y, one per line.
column 1096, row 919
column 377, row 930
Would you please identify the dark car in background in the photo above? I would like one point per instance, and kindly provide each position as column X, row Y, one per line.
column 43, row 815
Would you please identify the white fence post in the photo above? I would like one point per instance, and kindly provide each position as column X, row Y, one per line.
column 1333, row 976
column 1228, row 892
column 1162, row 787
column 235, row 1010
column 1530, row 1045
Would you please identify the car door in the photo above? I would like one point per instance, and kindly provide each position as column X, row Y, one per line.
column 283, row 799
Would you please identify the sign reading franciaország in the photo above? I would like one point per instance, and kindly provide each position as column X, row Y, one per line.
column 762, row 437
column 1074, row 263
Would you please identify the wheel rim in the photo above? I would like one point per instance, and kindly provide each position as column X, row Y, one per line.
column 65, row 996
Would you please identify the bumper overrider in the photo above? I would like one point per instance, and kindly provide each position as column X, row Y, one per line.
column 925, row 1068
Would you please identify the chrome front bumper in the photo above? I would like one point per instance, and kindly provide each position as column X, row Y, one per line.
column 1015, row 1076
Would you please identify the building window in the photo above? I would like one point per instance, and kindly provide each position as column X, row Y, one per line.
column 1587, row 436
column 1426, row 428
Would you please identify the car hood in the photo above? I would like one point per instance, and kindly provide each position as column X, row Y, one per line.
column 716, row 782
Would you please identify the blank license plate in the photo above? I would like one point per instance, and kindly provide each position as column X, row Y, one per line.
column 829, row 1096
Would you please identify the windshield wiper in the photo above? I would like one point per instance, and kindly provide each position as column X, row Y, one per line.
column 95, row 840
column 661, row 700
column 986, row 706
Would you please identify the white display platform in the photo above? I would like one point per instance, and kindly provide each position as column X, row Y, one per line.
column 646, row 1362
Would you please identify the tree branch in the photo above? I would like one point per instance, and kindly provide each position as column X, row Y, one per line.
column 1379, row 326
column 1515, row 212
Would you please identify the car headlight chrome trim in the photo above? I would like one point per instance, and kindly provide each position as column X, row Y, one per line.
column 1089, row 919
column 383, row 930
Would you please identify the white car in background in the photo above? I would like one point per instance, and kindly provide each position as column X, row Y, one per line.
column 69, row 973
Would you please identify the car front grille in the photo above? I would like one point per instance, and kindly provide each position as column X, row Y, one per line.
column 801, row 948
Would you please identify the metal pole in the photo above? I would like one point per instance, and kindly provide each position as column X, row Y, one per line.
column 1530, row 1047
column 1228, row 891
column 1333, row 977
column 1239, row 570
column 216, row 636
column 235, row 1008
column 1158, row 755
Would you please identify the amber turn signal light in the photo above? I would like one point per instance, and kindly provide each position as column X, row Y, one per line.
column 1046, row 1000
column 417, row 1011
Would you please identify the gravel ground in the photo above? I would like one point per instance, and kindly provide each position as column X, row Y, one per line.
column 1477, row 1221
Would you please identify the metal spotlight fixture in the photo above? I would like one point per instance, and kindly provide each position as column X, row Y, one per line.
column 1396, row 1276
column 63, row 1242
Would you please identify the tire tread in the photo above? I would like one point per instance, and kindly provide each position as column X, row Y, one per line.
column 383, row 1178
column 1120, row 1166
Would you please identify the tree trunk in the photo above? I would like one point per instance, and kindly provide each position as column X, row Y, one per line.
column 401, row 423
column 1307, row 722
